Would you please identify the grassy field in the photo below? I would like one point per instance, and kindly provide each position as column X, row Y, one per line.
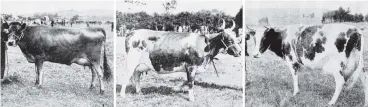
column 210, row 90
column 271, row 84
column 63, row 85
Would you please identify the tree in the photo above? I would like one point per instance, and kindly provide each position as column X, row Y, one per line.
column 169, row 5
column 366, row 17
column 74, row 18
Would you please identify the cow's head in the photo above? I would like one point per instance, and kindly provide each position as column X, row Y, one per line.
column 16, row 32
column 226, row 39
column 265, row 38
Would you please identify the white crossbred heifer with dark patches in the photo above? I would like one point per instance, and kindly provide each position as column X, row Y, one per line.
column 336, row 49
column 171, row 52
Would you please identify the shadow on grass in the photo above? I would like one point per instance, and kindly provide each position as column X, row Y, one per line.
column 215, row 86
column 13, row 79
column 164, row 90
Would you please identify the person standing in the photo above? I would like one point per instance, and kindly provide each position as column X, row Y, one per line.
column 4, row 38
column 52, row 23
column 112, row 26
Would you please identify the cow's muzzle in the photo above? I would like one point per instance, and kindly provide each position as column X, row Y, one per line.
column 12, row 43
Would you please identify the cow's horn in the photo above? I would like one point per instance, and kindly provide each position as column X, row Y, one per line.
column 232, row 27
column 248, row 27
column 223, row 24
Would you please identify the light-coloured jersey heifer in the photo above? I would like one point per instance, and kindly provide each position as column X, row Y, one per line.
column 337, row 49
column 171, row 52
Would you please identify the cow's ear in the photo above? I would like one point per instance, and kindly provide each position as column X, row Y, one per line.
column 24, row 25
column 207, row 48
column 5, row 26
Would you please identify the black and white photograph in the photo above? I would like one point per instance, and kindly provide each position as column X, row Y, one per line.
column 57, row 53
column 179, row 53
column 306, row 53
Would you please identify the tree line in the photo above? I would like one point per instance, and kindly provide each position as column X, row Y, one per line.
column 142, row 20
column 342, row 15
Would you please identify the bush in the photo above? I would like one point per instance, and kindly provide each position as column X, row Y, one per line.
column 142, row 20
column 341, row 15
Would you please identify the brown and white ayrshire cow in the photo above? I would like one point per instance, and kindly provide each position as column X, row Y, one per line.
column 336, row 49
column 171, row 52
column 63, row 46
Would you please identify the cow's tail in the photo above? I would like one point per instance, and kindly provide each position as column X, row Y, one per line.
column 107, row 74
column 356, row 74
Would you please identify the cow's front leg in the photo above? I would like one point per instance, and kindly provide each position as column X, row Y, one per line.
column 364, row 79
column 100, row 75
column 39, row 79
column 190, row 76
column 294, row 67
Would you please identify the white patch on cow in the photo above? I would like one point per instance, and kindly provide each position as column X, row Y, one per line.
column 189, row 41
column 258, row 37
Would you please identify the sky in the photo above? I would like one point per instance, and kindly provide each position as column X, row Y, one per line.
column 355, row 6
column 32, row 6
column 230, row 7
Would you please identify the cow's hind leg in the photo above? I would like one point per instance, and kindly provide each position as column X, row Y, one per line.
column 334, row 68
column 92, row 86
column 99, row 72
column 339, row 80
column 39, row 72
column 132, row 62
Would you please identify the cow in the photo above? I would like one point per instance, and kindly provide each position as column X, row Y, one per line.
column 64, row 46
column 171, row 52
column 336, row 49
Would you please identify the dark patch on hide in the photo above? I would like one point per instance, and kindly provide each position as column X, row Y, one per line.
column 354, row 41
column 139, row 44
column 343, row 67
column 304, row 42
column 168, row 59
column 153, row 38
column 340, row 42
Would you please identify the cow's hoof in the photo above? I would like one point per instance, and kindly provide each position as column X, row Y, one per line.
column 91, row 87
column 295, row 93
column 178, row 88
column 139, row 93
column 102, row 92
column 191, row 98
column 330, row 104
column 122, row 94
column 38, row 86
